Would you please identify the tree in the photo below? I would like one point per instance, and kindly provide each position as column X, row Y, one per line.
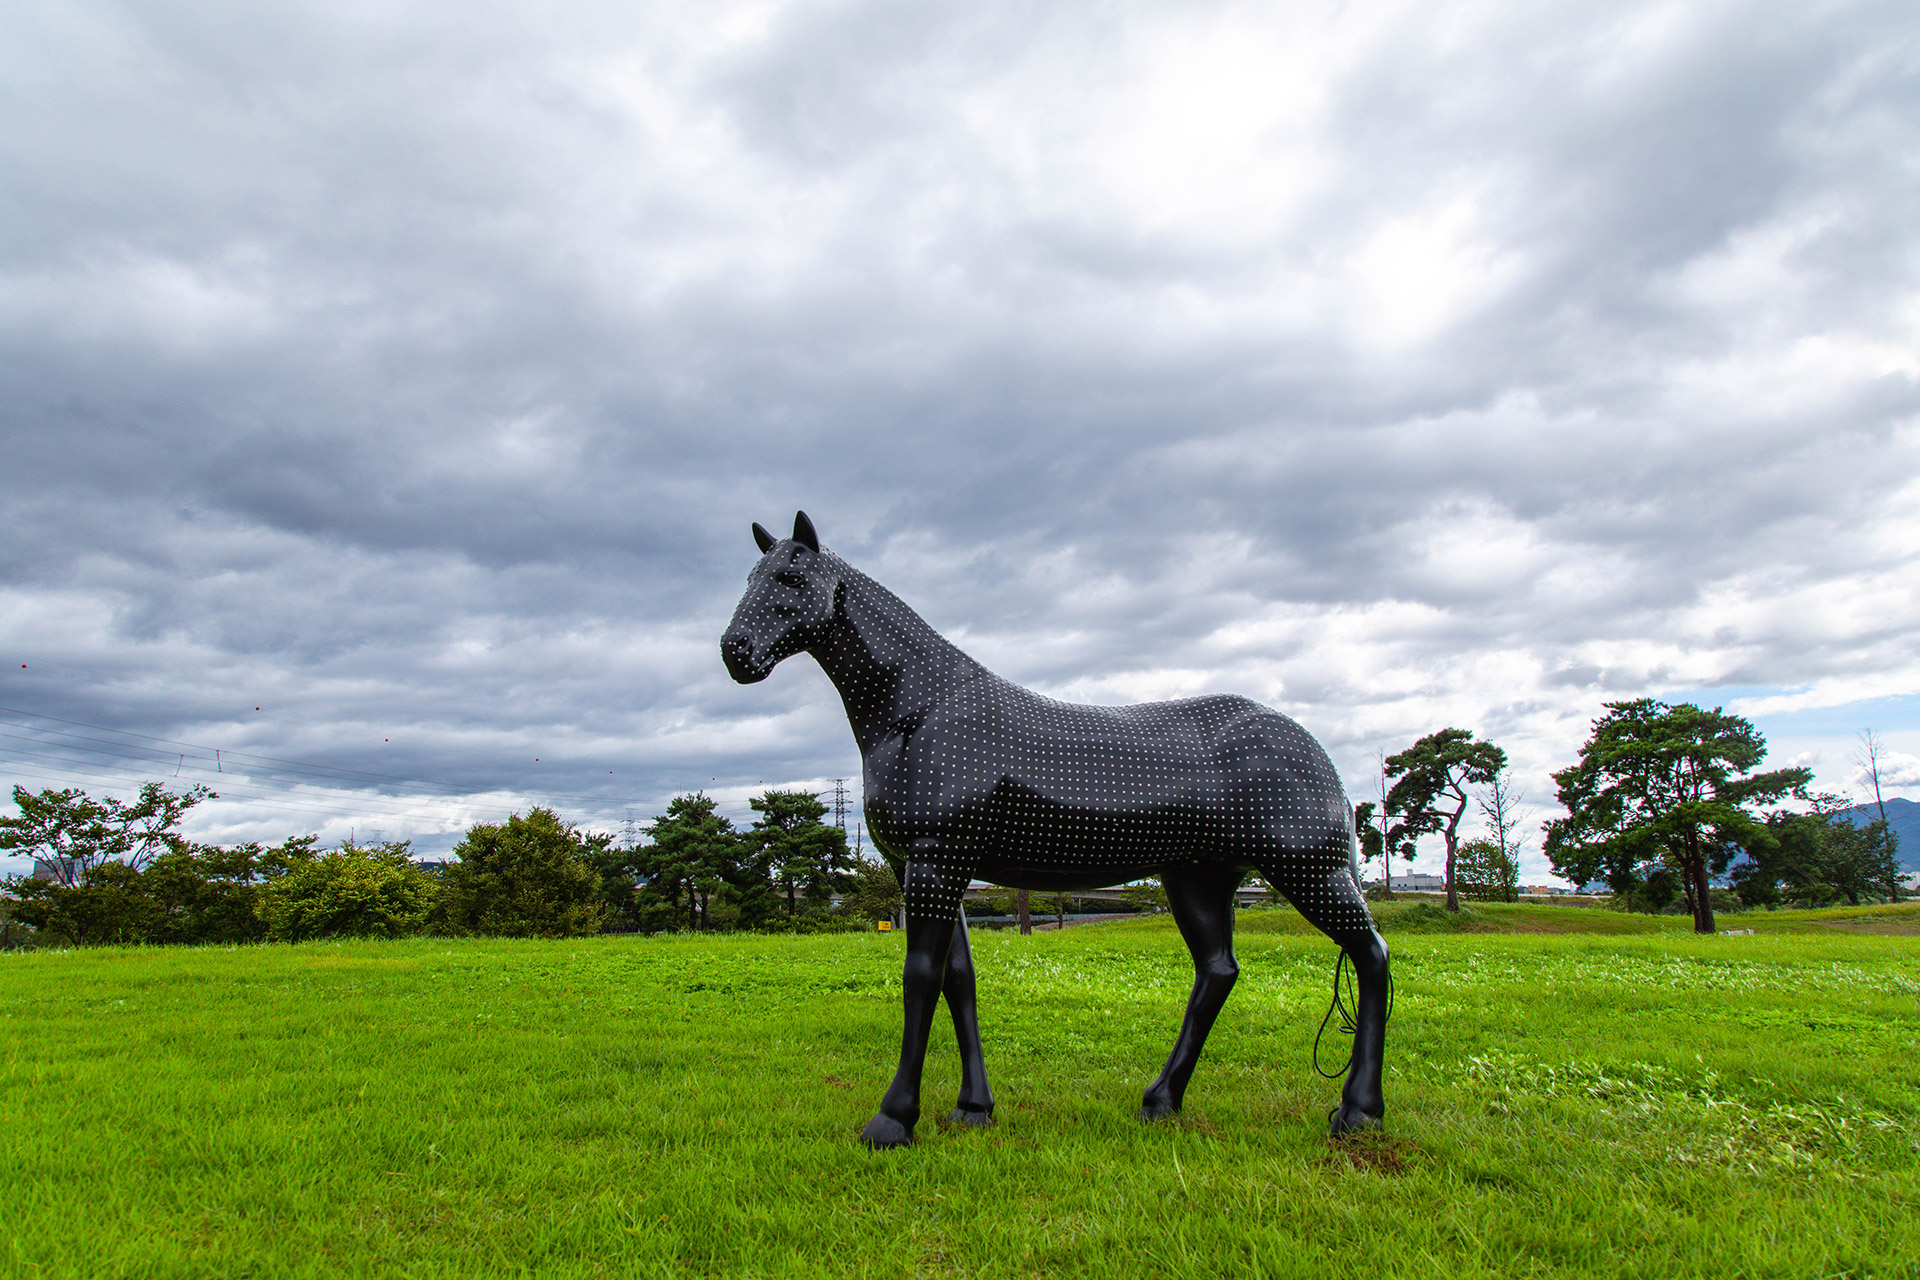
column 875, row 894
column 94, row 850
column 532, row 876
column 1504, row 807
column 191, row 894
column 105, row 906
column 1370, row 834
column 72, row 833
column 1868, row 756
column 1664, row 785
column 1378, row 835
column 355, row 891
column 211, row 894
column 1060, row 900
column 691, row 850
column 617, row 865
column 1440, row 766
column 1817, row 857
column 806, row 857
column 1488, row 872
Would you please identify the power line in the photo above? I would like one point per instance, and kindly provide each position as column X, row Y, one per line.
column 229, row 708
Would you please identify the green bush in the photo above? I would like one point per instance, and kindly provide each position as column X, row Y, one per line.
column 191, row 894
column 532, row 876
column 875, row 894
column 210, row 894
column 358, row 891
column 1423, row 917
column 105, row 905
column 1486, row 872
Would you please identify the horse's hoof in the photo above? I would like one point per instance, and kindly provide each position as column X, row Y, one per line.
column 1157, row 1109
column 884, row 1132
column 1348, row 1119
column 971, row 1119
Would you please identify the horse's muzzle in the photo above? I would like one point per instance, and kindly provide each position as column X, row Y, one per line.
column 736, row 650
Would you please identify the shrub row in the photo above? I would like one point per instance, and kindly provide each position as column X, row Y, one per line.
column 124, row 875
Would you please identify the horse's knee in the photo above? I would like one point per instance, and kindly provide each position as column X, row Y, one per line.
column 1369, row 956
column 923, row 970
column 1222, row 970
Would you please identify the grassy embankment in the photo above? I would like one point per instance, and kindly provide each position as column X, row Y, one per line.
column 1603, row 1095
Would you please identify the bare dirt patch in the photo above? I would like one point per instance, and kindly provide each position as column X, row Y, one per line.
column 1379, row 1153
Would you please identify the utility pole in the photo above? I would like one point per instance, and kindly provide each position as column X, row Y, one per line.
column 840, row 803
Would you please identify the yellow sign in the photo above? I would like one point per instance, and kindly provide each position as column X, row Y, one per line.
column 886, row 926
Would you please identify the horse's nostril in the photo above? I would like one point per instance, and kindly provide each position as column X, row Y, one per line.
column 736, row 647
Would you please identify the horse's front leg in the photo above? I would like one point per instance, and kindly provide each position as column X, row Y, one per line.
column 933, row 894
column 975, row 1107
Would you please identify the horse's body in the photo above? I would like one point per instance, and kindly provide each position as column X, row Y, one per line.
column 967, row 774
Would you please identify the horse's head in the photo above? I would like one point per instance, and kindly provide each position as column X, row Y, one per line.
column 792, row 597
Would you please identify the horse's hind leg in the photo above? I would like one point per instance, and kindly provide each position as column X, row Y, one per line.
column 1332, row 903
column 975, row 1107
column 1202, row 902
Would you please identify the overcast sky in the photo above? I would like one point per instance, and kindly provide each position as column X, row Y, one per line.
column 411, row 373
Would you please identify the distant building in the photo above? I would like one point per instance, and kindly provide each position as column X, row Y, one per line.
column 60, row 869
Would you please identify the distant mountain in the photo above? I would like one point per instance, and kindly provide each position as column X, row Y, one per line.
column 1904, row 817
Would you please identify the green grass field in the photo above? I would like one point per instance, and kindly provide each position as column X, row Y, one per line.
column 1570, row 1092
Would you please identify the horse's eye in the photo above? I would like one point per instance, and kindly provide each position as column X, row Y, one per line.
column 795, row 580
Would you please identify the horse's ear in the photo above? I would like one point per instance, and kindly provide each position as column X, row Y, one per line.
column 764, row 539
column 803, row 532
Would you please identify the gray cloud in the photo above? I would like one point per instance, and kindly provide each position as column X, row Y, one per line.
column 415, row 375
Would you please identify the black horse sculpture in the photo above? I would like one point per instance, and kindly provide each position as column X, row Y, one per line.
column 967, row 774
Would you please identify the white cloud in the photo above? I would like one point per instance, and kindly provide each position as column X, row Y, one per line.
column 1898, row 770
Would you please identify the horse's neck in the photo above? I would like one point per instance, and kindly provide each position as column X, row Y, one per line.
column 887, row 663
